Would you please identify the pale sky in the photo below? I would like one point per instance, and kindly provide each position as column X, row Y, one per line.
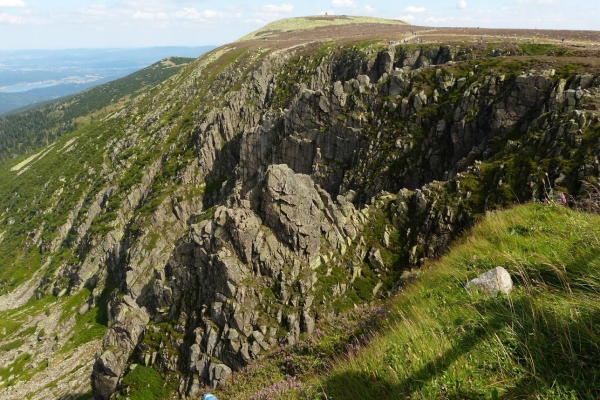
column 60, row 24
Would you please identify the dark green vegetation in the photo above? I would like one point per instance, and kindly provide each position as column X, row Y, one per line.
column 88, row 326
column 532, row 49
column 18, row 102
column 437, row 339
column 146, row 383
column 27, row 131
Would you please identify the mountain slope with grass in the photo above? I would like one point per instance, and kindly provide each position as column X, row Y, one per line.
column 541, row 341
column 436, row 339
column 244, row 205
column 311, row 23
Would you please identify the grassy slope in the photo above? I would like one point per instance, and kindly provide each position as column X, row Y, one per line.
column 541, row 341
column 40, row 196
column 442, row 341
column 304, row 23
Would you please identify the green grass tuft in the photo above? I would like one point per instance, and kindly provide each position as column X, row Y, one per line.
column 145, row 383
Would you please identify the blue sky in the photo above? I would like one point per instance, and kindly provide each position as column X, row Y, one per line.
column 58, row 24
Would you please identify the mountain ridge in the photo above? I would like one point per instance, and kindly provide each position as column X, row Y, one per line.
column 62, row 72
column 310, row 23
column 270, row 183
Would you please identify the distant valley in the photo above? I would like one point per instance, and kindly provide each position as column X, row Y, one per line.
column 33, row 76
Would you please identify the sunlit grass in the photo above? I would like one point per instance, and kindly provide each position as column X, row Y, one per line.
column 541, row 341
column 304, row 23
column 435, row 339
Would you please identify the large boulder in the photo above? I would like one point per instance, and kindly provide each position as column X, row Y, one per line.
column 493, row 281
column 107, row 372
column 218, row 373
column 291, row 207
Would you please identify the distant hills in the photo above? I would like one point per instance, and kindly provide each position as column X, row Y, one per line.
column 33, row 76
column 29, row 129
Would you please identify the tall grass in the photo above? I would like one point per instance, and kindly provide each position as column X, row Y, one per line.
column 541, row 341
column 437, row 340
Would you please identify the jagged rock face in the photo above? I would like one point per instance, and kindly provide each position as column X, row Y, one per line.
column 128, row 324
column 246, row 270
column 289, row 158
column 292, row 210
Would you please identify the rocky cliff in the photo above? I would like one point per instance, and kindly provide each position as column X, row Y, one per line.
column 301, row 180
column 259, row 190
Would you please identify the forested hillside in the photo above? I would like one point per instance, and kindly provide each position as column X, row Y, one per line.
column 25, row 131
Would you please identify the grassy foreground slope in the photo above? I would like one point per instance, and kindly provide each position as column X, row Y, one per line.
column 442, row 341
column 542, row 340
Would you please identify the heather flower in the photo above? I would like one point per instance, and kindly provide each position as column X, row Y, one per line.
column 563, row 198
column 277, row 389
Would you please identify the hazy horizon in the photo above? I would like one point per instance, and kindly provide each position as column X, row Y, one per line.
column 122, row 24
column 31, row 76
column 68, row 49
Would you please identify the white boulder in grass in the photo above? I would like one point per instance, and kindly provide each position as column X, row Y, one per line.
column 495, row 280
